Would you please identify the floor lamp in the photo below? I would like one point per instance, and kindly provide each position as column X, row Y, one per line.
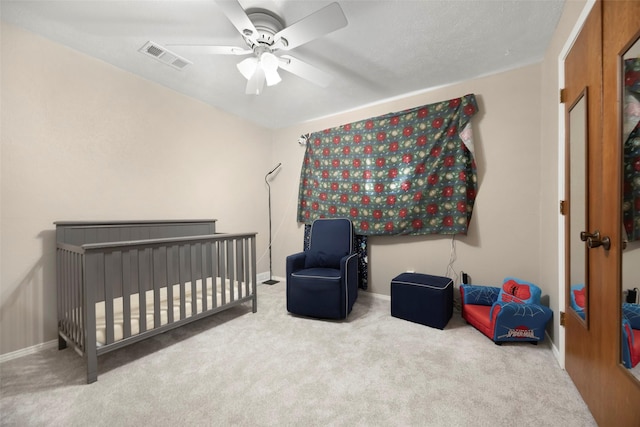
column 266, row 180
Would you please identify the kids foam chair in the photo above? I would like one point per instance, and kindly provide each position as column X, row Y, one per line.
column 578, row 299
column 322, row 281
column 510, row 313
column 630, row 334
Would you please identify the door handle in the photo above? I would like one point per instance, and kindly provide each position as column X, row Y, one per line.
column 594, row 240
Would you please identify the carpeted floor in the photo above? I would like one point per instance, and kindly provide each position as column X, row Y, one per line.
column 271, row 368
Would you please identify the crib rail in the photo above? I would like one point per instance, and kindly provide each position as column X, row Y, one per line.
column 145, row 287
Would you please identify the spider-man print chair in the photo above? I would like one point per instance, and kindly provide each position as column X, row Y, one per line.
column 322, row 281
column 630, row 334
column 510, row 313
column 578, row 298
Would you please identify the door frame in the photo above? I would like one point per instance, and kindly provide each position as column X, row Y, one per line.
column 559, row 348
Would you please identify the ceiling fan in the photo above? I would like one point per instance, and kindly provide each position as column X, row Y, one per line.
column 266, row 37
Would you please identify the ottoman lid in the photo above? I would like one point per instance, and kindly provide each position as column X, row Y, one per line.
column 436, row 282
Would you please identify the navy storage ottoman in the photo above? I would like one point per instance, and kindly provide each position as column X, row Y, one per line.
column 422, row 298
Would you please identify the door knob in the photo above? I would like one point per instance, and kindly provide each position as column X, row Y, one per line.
column 584, row 235
column 594, row 240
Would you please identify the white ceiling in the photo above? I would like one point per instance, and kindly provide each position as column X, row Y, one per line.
column 388, row 49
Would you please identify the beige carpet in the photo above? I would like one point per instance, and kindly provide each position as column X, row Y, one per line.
column 271, row 368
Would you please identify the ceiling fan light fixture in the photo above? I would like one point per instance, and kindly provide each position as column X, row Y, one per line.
column 269, row 63
column 255, row 85
column 272, row 77
column 247, row 67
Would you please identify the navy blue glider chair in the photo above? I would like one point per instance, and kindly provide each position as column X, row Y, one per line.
column 322, row 281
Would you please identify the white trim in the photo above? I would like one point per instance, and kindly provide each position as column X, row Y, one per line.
column 559, row 350
column 423, row 285
column 28, row 351
column 309, row 276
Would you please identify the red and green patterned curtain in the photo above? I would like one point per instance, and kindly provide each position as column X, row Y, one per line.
column 410, row 172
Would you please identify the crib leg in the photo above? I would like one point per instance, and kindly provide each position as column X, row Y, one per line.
column 255, row 303
column 92, row 372
column 92, row 365
column 62, row 343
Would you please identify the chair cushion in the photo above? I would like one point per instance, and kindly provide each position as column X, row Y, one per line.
column 478, row 316
column 321, row 259
column 519, row 291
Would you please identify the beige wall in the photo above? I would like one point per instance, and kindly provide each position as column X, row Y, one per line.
column 504, row 230
column 84, row 140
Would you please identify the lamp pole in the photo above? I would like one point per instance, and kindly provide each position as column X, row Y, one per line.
column 266, row 180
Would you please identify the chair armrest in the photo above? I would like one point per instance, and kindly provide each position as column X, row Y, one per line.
column 631, row 312
column 295, row 262
column 349, row 271
column 349, row 267
column 514, row 321
column 479, row 295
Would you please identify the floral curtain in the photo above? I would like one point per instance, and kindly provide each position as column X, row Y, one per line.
column 631, row 138
column 409, row 172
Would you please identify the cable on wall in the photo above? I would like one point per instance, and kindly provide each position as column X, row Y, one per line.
column 452, row 273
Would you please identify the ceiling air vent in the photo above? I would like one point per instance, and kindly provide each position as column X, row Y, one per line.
column 163, row 55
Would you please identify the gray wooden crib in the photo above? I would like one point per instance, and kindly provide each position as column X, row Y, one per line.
column 120, row 282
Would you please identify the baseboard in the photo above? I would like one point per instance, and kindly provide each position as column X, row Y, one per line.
column 556, row 352
column 29, row 350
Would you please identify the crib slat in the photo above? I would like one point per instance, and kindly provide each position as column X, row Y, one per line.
column 214, row 273
column 230, row 270
column 194, row 287
column 205, row 275
column 142, row 294
column 106, row 285
column 247, row 270
column 181, row 274
column 67, row 293
column 222, row 253
column 126, row 295
column 239, row 266
column 169, row 276
column 156, row 289
column 72, row 307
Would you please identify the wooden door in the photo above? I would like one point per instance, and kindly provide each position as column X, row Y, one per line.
column 620, row 391
column 582, row 100
column 593, row 346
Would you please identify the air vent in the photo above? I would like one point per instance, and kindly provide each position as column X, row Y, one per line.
column 163, row 55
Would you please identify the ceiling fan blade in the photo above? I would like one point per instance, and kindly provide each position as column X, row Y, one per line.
column 195, row 49
column 255, row 85
column 239, row 18
column 324, row 21
column 305, row 71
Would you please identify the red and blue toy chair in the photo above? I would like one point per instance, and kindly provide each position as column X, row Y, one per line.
column 510, row 313
column 578, row 299
column 630, row 334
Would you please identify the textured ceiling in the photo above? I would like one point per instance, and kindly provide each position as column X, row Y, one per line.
column 388, row 49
